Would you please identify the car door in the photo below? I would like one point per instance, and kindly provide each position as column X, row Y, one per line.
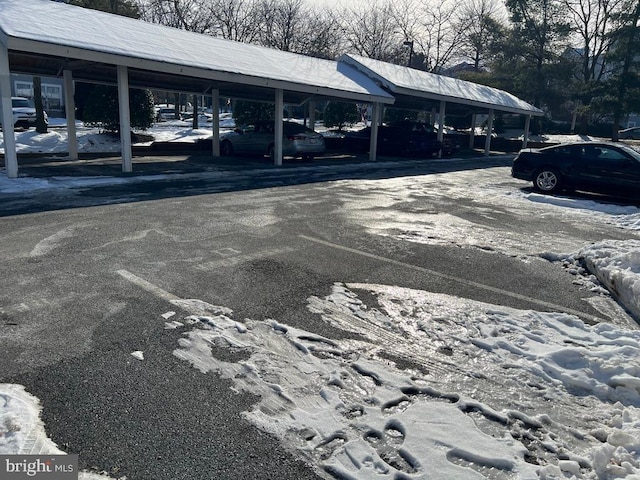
column 242, row 141
column 610, row 168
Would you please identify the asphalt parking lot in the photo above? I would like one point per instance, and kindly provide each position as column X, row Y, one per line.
column 91, row 273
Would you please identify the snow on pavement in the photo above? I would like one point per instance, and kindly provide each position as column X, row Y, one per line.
column 435, row 383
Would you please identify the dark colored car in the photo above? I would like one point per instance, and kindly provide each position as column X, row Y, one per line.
column 410, row 139
column 590, row 166
column 632, row 133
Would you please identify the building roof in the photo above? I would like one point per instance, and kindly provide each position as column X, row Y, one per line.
column 45, row 37
column 409, row 85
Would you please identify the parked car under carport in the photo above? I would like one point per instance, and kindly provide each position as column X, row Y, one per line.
column 259, row 139
column 407, row 139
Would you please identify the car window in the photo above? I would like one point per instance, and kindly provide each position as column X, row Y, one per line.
column 264, row 127
column 20, row 102
column 293, row 128
column 611, row 154
column 602, row 153
column 562, row 150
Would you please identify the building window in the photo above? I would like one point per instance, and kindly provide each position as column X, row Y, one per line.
column 51, row 94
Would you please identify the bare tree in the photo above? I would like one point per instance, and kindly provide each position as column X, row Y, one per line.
column 592, row 22
column 321, row 35
column 235, row 19
column 280, row 23
column 372, row 31
column 482, row 23
column 442, row 34
column 191, row 15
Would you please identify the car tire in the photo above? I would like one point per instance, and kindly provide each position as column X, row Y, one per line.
column 226, row 149
column 547, row 180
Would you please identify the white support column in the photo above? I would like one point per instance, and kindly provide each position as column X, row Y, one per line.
column 441, row 115
column 8, row 132
column 312, row 114
column 527, row 125
column 487, row 142
column 373, row 141
column 278, row 130
column 70, row 109
column 215, row 123
column 472, row 134
column 125, row 118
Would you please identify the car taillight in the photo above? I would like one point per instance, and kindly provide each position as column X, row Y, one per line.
column 296, row 137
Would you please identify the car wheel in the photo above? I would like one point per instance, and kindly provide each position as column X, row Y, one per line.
column 226, row 148
column 547, row 180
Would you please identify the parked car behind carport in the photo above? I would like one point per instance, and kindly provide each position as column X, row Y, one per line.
column 632, row 133
column 24, row 113
column 259, row 139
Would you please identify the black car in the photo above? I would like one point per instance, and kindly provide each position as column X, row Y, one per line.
column 590, row 166
column 410, row 139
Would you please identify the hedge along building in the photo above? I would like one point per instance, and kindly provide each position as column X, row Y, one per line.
column 42, row 37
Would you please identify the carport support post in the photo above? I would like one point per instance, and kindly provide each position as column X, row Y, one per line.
column 70, row 109
column 278, row 130
column 443, row 111
column 373, row 142
column 8, row 132
column 487, row 142
column 215, row 123
column 527, row 125
column 125, row 118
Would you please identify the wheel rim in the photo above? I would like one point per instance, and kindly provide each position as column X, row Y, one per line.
column 547, row 181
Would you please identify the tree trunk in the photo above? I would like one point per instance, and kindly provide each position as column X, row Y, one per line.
column 195, row 112
column 41, row 125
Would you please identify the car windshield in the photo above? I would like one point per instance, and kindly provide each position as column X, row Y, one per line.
column 20, row 102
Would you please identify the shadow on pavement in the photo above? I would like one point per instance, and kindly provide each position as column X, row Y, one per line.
column 98, row 179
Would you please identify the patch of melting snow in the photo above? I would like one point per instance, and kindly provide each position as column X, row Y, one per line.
column 403, row 208
column 22, row 431
column 492, row 392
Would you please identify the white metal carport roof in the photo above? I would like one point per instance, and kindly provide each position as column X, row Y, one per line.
column 55, row 31
column 409, row 85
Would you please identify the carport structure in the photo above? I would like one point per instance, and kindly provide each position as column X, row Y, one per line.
column 419, row 90
column 47, row 38
column 42, row 37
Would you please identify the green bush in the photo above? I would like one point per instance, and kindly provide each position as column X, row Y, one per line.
column 246, row 113
column 339, row 114
column 101, row 108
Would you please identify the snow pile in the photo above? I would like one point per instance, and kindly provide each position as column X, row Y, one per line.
column 617, row 265
column 21, row 430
